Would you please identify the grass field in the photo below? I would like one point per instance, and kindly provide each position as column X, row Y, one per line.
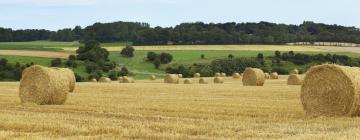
column 153, row 110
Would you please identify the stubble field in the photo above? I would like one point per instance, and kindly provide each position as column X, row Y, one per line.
column 154, row 110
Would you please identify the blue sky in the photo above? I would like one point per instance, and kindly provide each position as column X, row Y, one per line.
column 56, row 14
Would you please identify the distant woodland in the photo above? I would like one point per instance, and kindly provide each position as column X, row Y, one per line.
column 192, row 33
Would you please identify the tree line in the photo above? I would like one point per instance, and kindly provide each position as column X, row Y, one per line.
column 193, row 33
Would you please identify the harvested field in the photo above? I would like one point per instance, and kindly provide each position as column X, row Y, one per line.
column 45, row 54
column 154, row 110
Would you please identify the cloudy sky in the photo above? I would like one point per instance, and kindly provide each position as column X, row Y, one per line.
column 56, row 14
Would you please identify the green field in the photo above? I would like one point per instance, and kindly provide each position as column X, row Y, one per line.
column 138, row 65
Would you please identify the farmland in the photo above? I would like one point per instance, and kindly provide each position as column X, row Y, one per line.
column 153, row 110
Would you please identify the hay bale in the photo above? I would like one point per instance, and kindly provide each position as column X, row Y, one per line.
column 197, row 75
column 188, row 81
column 331, row 90
column 253, row 77
column 236, row 76
column 218, row 80
column 43, row 86
column 71, row 77
column 152, row 77
column 180, row 76
column 295, row 79
column 274, row 75
column 217, row 74
column 93, row 80
column 223, row 74
column 267, row 75
column 104, row 80
column 128, row 80
column 294, row 71
column 202, row 81
column 120, row 79
column 171, row 79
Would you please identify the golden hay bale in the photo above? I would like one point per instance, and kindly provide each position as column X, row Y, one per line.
column 120, row 79
column 202, row 81
column 197, row 75
column 236, row 76
column 71, row 77
column 152, row 77
column 93, row 80
column 180, row 75
column 295, row 79
column 104, row 80
column 128, row 80
column 294, row 71
column 217, row 74
column 253, row 77
column 331, row 90
column 171, row 79
column 43, row 86
column 223, row 74
column 267, row 75
column 218, row 80
column 274, row 75
column 188, row 81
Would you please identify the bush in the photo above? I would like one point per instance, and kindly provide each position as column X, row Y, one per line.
column 280, row 70
column 71, row 63
column 93, row 52
column 91, row 67
column 165, row 58
column 124, row 72
column 151, row 56
column 96, row 74
column 230, row 56
column 78, row 78
column 157, row 64
column 128, row 51
column 230, row 66
column 3, row 61
column 113, row 75
column 260, row 56
column 202, row 56
column 72, row 57
column 56, row 62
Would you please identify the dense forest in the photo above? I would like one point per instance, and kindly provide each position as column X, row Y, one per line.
column 193, row 33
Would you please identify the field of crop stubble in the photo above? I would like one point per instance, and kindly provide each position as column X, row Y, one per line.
column 154, row 110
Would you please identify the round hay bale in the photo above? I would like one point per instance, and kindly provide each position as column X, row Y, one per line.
column 217, row 74
column 188, row 81
column 152, row 77
column 197, row 75
column 236, row 76
column 120, row 79
column 294, row 71
column 295, row 79
column 331, row 90
column 218, row 80
column 180, row 76
column 171, row 79
column 128, row 80
column 104, row 80
column 253, row 77
column 93, row 80
column 43, row 86
column 71, row 77
column 202, row 81
column 274, row 75
column 267, row 75
column 223, row 74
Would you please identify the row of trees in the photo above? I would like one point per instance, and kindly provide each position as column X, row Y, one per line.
column 193, row 33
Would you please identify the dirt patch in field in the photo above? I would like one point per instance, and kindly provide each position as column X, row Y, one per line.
column 46, row 54
column 338, row 49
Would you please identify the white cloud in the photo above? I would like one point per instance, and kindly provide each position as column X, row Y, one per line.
column 54, row 3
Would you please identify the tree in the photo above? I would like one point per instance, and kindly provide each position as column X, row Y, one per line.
column 202, row 56
column 72, row 57
column 165, row 58
column 93, row 52
column 260, row 56
column 277, row 54
column 157, row 63
column 151, row 56
column 231, row 56
column 128, row 51
column 56, row 62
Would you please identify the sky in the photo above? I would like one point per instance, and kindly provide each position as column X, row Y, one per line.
column 58, row 14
